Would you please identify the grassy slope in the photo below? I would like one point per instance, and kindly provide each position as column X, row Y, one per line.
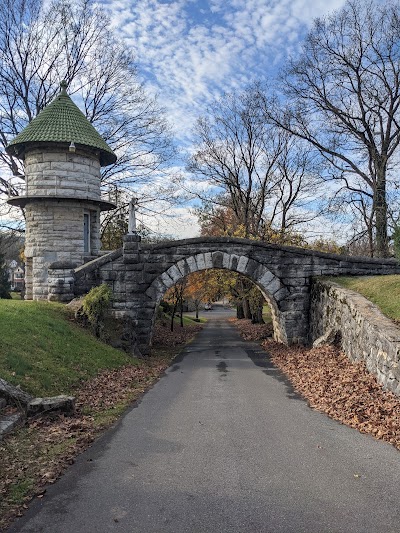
column 47, row 354
column 383, row 291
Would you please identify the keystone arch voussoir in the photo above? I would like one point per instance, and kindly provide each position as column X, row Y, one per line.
column 270, row 285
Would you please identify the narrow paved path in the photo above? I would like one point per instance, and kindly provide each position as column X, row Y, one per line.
column 221, row 445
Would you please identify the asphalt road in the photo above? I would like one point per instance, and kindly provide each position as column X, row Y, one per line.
column 222, row 445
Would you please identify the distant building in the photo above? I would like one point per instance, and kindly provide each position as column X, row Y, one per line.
column 16, row 275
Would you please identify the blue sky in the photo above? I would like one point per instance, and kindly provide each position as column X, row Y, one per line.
column 191, row 51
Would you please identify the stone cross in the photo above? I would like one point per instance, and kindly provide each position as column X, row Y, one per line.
column 132, row 216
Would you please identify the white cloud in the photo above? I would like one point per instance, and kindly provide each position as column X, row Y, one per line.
column 179, row 223
column 190, row 51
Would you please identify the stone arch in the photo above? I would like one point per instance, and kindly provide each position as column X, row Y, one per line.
column 270, row 285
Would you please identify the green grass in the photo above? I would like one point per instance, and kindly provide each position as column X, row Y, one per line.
column 383, row 291
column 267, row 314
column 19, row 490
column 15, row 295
column 45, row 352
column 187, row 320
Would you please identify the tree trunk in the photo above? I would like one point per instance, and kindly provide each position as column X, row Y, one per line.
column 258, row 315
column 197, row 312
column 380, row 204
column 246, row 308
column 173, row 316
column 181, row 312
column 371, row 240
column 239, row 311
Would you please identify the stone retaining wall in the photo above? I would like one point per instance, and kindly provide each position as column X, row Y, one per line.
column 366, row 334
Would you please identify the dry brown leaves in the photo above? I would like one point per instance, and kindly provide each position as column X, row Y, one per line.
column 253, row 332
column 163, row 336
column 333, row 384
column 344, row 390
column 37, row 455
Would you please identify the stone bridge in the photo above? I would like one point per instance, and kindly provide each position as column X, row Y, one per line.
column 139, row 275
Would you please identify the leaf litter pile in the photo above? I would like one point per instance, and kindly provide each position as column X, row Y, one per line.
column 333, row 384
column 253, row 332
column 37, row 454
column 163, row 336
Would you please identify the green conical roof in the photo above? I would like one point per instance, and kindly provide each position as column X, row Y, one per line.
column 62, row 121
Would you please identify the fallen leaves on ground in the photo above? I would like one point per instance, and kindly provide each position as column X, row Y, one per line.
column 162, row 334
column 37, row 454
column 342, row 389
column 253, row 332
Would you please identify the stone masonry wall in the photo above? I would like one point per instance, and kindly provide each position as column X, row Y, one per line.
column 54, row 232
column 140, row 274
column 62, row 174
column 366, row 334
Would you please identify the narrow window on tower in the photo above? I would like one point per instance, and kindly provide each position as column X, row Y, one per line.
column 86, row 233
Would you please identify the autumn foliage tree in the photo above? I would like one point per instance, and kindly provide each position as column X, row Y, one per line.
column 175, row 297
column 219, row 221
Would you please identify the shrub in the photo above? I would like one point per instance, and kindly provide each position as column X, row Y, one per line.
column 95, row 305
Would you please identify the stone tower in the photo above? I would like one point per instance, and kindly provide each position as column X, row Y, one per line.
column 63, row 154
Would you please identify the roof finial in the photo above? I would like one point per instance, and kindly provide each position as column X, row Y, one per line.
column 63, row 87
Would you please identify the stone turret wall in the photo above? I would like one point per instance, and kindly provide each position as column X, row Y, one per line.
column 54, row 232
column 62, row 174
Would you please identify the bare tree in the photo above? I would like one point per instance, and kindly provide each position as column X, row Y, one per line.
column 43, row 44
column 260, row 179
column 344, row 96
column 175, row 296
column 263, row 174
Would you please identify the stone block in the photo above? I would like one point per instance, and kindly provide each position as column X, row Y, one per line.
column 131, row 258
column 265, row 278
column 281, row 294
column 242, row 264
column 174, row 274
column 54, row 156
column 191, row 262
column 208, row 262
column 65, row 404
column 33, row 157
column 226, row 261
column 14, row 395
column 233, row 263
column 201, row 265
column 163, row 282
column 217, row 259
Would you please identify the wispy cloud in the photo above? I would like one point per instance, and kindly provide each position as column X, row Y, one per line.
column 191, row 51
